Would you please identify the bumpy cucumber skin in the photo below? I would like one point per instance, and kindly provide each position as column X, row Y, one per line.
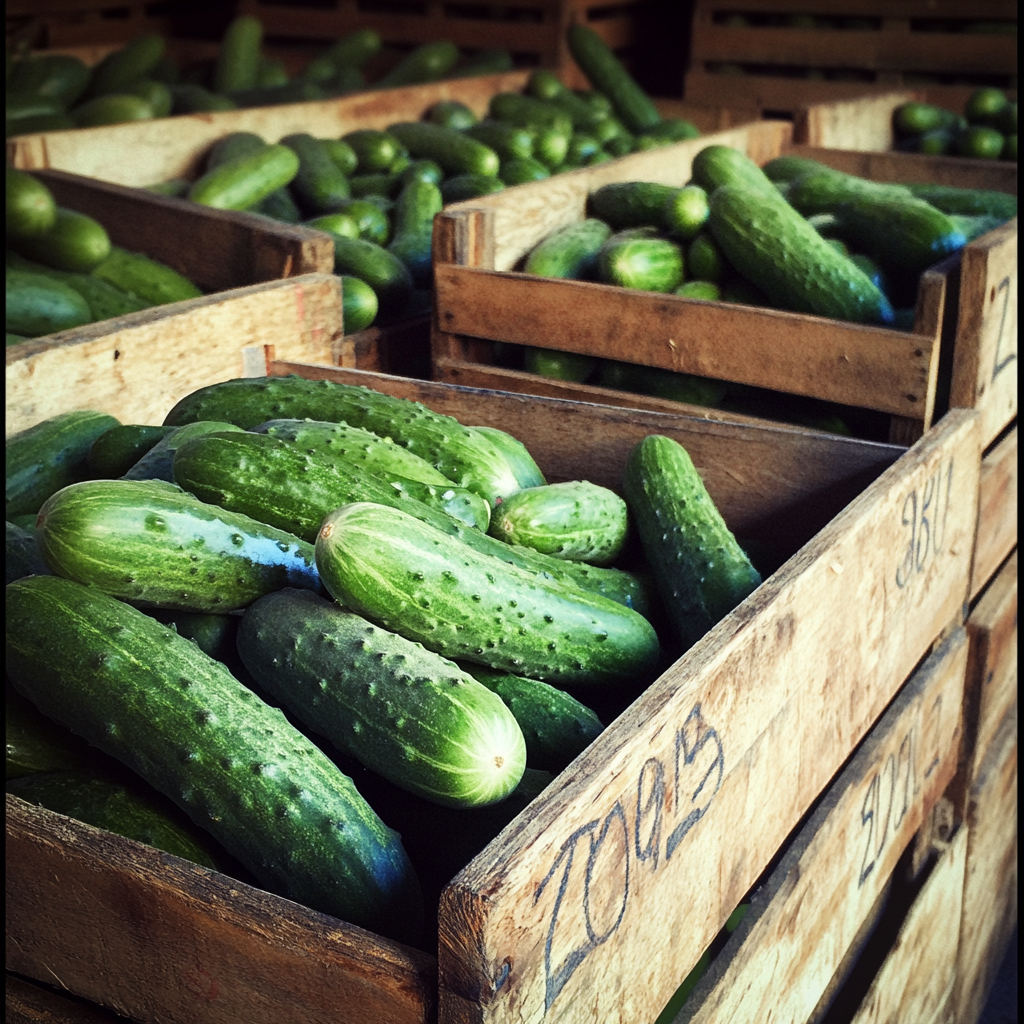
column 630, row 204
column 573, row 519
column 154, row 282
column 771, row 245
column 555, row 725
column 461, row 455
column 246, row 181
column 340, row 445
column 153, row 700
column 455, row 152
column 823, row 191
column 717, row 165
column 155, row 545
column 648, row 264
column 407, row 713
column 408, row 577
column 699, row 568
column 49, row 455
column 158, row 462
column 319, row 185
column 518, row 456
column 570, row 252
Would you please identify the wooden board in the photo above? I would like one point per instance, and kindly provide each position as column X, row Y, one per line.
column 30, row 1003
column 861, row 123
column 801, row 922
column 990, row 883
column 482, row 298
column 915, row 982
column 646, row 843
column 997, row 513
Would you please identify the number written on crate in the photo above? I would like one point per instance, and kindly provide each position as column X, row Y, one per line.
column 924, row 516
column 1006, row 351
column 586, row 891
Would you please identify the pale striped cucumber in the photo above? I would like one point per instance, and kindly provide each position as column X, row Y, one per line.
column 407, row 713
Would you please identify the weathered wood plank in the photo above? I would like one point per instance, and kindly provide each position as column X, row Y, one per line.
column 997, row 514
column 645, row 843
column 29, row 1003
column 862, row 123
column 780, row 960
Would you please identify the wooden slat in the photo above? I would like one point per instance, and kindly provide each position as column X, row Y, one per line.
column 780, row 960
column 645, row 844
column 862, row 123
column 29, row 1003
column 997, row 515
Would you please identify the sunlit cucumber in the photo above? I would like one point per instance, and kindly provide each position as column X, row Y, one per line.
column 409, row 714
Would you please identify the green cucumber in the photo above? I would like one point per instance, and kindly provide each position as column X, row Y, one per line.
column 353, row 49
column 494, row 61
column 451, row 114
column 529, row 112
column 406, row 576
column 570, row 252
column 31, row 209
column 413, row 218
column 75, row 242
column 671, row 129
column 717, row 165
column 120, row 69
column 381, row 183
column 132, row 687
column 232, row 146
column 700, row 569
column 61, row 76
column 703, row 259
column 375, row 150
column 155, row 545
column 426, row 63
column 516, row 454
column 319, row 185
column 823, row 191
column 409, row 714
column 459, row 453
column 771, row 245
column 607, row 74
column 548, row 362
column 661, row 383
column 573, row 519
column 343, row 155
column 114, row 108
column 238, row 59
column 707, row 291
column 648, row 263
column 509, row 141
column 422, row 170
column 280, row 205
column 193, row 98
column 157, row 462
column 297, row 91
column 36, row 743
column 460, row 187
column 383, row 271
column 545, row 85
column 23, row 557
column 787, row 168
column 916, row 118
column 455, row 152
column 967, row 201
column 522, row 170
column 156, row 94
column 246, row 181
column 685, row 212
column 151, row 280
column 555, row 725
column 43, row 458
column 359, row 305
column 104, row 299
column 38, row 304
column 630, row 204
column 116, row 450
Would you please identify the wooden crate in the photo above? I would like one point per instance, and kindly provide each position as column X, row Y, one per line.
column 631, row 861
column 480, row 298
column 779, row 962
column 534, row 31
column 997, row 514
column 785, row 68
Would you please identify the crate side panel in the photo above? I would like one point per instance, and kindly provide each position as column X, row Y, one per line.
column 997, row 512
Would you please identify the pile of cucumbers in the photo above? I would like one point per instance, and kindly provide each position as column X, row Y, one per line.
column 299, row 609
column 62, row 270
column 986, row 130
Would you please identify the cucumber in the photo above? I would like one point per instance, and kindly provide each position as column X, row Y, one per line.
column 408, row 577
column 413, row 219
column 157, row 462
column 916, row 118
column 422, row 170
column 451, row 114
column 152, row 281
column 288, row 487
column 31, row 209
column 509, row 141
column 708, row 291
column 246, row 181
column 153, row 544
column 375, row 150
column 685, row 212
column 319, row 185
column 607, row 74
column 555, row 726
column 522, row 170
column 571, row 252
column 232, row 146
column 529, row 112
column 459, row 453
column 647, row 263
column 823, row 191
column 359, row 304
column 545, row 85
column 384, row 272
column 630, row 204
column 38, row 304
column 114, row 108
column 23, row 557
column 61, row 76
column 426, row 63
column 126, row 808
column 238, row 59
column 156, row 94
column 573, row 519
column 717, row 165
column 669, row 130
column 973, row 226
column 75, row 242
column 343, row 155
column 495, row 61
column 116, row 450
column 770, row 244
column 280, row 205
column 662, row 383
column 231, row 762
column 454, row 152
column 967, row 201
column 700, row 569
column 558, row 365
column 382, row 183
column 297, row 91
column 516, row 454
column 193, row 98
column 43, row 458
column 352, row 50
column 337, row 225
column 120, row 69
column 703, row 260
column 460, row 187
column 104, row 299
column 787, row 168
column 36, row 743
column 409, row 714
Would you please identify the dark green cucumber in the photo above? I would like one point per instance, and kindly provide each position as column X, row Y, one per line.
column 193, row 98
column 50, row 455
column 127, row 808
column 36, row 743
column 61, row 76
column 717, row 165
column 787, row 168
column 522, row 170
column 375, row 150
column 571, row 252
column 408, row 577
column 573, row 519
column 549, row 362
column 383, row 271
column 38, row 304
column 154, row 282
column 22, row 554
column 700, row 569
column 457, row 452
column 157, row 462
column 132, row 687
column 823, row 191
column 31, row 208
column 662, row 383
column 455, row 152
column 115, row 108
column 426, row 63
column 245, row 181
column 546, row 85
column 771, row 245
column 403, row 711
column 451, row 114
column 494, row 61
column 555, row 725
column 232, row 146
column 75, row 242
column 105, row 300
column 630, row 204
column 413, row 218
column 607, row 74
column 509, row 141
column 151, row 543
column 133, row 61
column 967, row 201
column 116, row 450
column 359, row 305
column 237, row 62
column 280, row 205
column 319, row 185
column 629, row 260
column 667, row 131
column 516, row 454
column 529, row 112
column 460, row 187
